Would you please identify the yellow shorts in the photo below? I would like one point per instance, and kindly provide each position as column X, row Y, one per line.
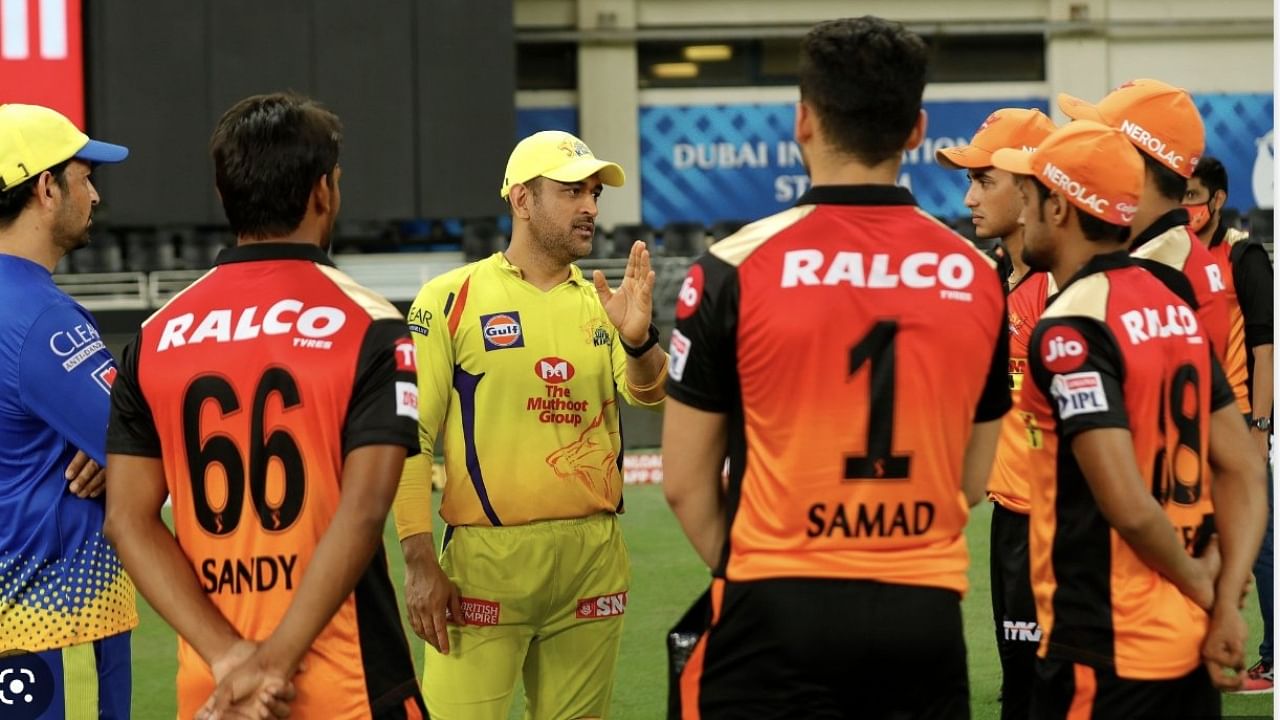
column 544, row 600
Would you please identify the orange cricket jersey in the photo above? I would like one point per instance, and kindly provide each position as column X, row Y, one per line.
column 1117, row 349
column 1019, row 432
column 852, row 341
column 252, row 385
column 1236, row 362
column 1169, row 243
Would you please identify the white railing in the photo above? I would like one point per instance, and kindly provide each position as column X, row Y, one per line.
column 396, row 277
column 107, row 291
column 167, row 283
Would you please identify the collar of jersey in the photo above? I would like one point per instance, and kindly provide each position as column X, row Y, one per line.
column 500, row 259
column 1101, row 263
column 1162, row 225
column 258, row 251
column 1219, row 235
column 857, row 195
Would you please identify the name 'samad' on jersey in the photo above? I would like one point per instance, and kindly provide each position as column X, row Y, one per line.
column 881, row 271
column 311, row 325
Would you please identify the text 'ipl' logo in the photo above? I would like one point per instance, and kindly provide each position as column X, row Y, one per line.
column 501, row 331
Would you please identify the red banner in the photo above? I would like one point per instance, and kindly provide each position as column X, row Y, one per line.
column 42, row 55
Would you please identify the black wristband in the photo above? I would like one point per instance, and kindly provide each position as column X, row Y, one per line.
column 636, row 352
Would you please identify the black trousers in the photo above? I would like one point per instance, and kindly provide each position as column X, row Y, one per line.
column 809, row 648
column 1013, row 608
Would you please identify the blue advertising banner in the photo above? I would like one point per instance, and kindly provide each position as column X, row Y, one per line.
column 738, row 162
column 1239, row 131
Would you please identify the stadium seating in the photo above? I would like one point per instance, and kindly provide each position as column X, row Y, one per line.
column 725, row 228
column 1262, row 225
column 481, row 238
column 684, row 239
column 625, row 234
column 601, row 245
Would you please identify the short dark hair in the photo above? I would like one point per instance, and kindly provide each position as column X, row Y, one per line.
column 1212, row 173
column 268, row 152
column 14, row 200
column 1169, row 184
column 864, row 77
column 1094, row 229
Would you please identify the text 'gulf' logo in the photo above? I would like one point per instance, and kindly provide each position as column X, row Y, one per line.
column 502, row 331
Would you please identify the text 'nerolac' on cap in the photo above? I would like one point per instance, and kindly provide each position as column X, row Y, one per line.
column 1159, row 119
column 35, row 138
column 559, row 156
column 1017, row 128
column 1094, row 166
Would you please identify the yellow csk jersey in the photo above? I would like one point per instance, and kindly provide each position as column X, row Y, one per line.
column 524, row 384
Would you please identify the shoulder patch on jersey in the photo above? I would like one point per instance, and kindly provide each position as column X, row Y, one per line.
column 736, row 248
column 690, row 295
column 1079, row 394
column 1172, row 247
column 371, row 302
column 679, row 355
column 1086, row 297
column 1062, row 349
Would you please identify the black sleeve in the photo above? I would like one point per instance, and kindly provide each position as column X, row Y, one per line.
column 1076, row 363
column 703, row 371
column 1173, row 278
column 1221, row 394
column 996, row 399
column 1252, row 273
column 132, row 428
column 384, row 397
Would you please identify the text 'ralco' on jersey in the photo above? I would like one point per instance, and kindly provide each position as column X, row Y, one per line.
column 852, row 341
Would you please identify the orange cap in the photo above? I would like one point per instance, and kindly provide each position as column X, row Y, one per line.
column 1016, row 128
column 1160, row 119
column 1092, row 165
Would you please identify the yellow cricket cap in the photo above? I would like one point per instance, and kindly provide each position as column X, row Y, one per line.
column 34, row 139
column 560, row 156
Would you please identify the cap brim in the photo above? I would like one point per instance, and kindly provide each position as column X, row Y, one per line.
column 96, row 151
column 1078, row 109
column 582, row 168
column 1017, row 162
column 966, row 157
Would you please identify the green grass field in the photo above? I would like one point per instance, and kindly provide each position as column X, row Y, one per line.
column 667, row 578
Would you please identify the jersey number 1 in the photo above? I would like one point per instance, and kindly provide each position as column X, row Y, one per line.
column 221, row 449
column 879, row 462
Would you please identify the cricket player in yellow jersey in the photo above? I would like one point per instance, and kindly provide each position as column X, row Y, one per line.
column 523, row 361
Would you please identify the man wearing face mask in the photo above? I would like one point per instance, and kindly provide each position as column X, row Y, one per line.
column 1137, row 602
column 523, row 360
column 1246, row 271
